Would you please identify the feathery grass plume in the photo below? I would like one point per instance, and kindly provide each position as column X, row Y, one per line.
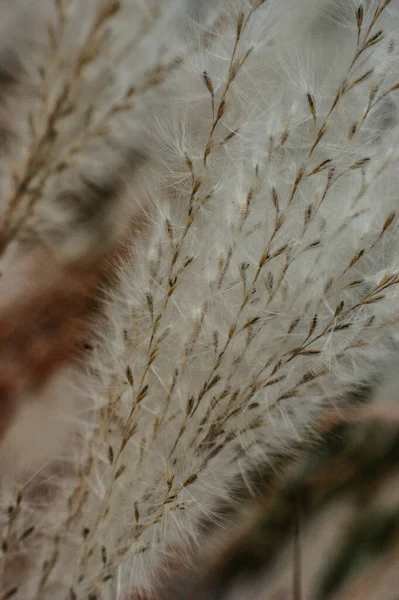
column 262, row 289
column 62, row 206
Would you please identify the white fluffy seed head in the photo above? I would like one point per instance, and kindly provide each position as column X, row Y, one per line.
column 264, row 288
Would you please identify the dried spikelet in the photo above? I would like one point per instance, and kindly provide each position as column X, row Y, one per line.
column 218, row 294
